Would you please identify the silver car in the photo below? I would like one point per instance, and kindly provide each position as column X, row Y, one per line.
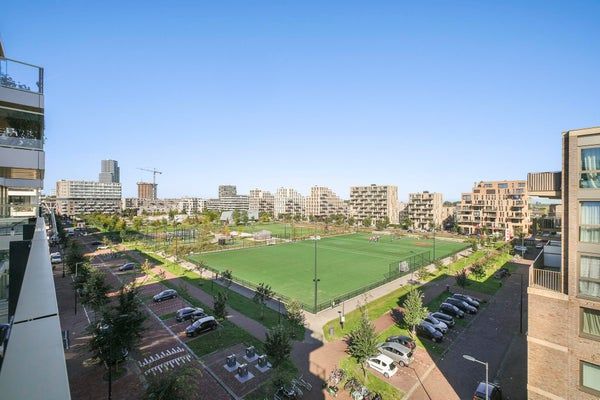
column 437, row 324
column 397, row 352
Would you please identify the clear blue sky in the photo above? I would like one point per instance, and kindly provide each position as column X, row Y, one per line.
column 428, row 96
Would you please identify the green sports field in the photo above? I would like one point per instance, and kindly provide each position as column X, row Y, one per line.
column 345, row 263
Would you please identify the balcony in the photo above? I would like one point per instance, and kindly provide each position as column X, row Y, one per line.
column 545, row 272
column 21, row 83
column 545, row 279
column 544, row 184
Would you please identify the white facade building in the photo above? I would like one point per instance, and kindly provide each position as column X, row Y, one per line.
column 323, row 202
column 289, row 201
column 87, row 197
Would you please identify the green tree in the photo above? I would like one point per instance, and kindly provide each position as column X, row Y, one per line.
column 351, row 221
column 295, row 314
column 132, row 317
column 137, row 223
column 74, row 256
column 219, row 305
column 227, row 277
column 422, row 273
column 172, row 385
column 262, row 294
column 461, row 278
column 478, row 270
column 367, row 222
column 264, row 217
column 95, row 290
column 362, row 341
column 278, row 345
column 383, row 223
column 414, row 311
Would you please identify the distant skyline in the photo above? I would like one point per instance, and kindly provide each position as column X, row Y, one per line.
column 425, row 96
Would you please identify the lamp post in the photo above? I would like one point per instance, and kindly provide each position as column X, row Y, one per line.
column 473, row 359
column 434, row 243
column 316, row 280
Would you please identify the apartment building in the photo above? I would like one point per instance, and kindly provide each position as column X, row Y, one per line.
column 87, row 197
column 375, row 202
column 563, row 341
column 261, row 201
column 290, row 202
column 323, row 202
column 109, row 172
column 499, row 207
column 227, row 191
column 424, row 210
column 147, row 190
column 31, row 354
column 191, row 205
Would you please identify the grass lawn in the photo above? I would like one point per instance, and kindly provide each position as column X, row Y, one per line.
column 225, row 336
column 244, row 305
column 373, row 381
column 289, row 267
column 384, row 304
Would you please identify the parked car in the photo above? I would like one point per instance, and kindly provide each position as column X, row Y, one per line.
column 383, row 364
column 451, row 310
column 502, row 273
column 494, row 392
column 437, row 324
column 429, row 331
column 445, row 318
column 127, row 267
column 397, row 352
column 192, row 313
column 165, row 295
column 461, row 304
column 201, row 325
column 403, row 340
column 56, row 259
column 467, row 299
column 539, row 246
column 96, row 243
column 102, row 248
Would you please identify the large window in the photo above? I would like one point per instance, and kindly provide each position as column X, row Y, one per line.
column 589, row 221
column 590, row 377
column 590, row 168
column 590, row 323
column 589, row 276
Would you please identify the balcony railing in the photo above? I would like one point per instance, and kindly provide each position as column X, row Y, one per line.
column 21, row 76
column 14, row 141
column 545, row 279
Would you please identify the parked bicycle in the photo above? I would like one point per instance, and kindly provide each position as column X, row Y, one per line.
column 305, row 384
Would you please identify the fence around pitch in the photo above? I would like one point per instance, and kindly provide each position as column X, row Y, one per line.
column 396, row 270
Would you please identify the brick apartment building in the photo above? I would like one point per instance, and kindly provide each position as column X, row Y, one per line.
column 563, row 341
column 500, row 207
column 424, row 210
column 375, row 202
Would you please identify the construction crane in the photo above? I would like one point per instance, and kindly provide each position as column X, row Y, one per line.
column 154, row 172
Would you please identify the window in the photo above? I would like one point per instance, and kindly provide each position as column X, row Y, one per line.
column 590, row 323
column 590, row 163
column 589, row 276
column 590, row 377
column 503, row 186
column 589, row 221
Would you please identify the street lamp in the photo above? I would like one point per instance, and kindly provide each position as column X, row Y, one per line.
column 473, row 359
column 316, row 280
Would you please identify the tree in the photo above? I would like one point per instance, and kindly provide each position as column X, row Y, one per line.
column 362, row 341
column 74, row 256
column 414, row 311
column 383, row 223
column 461, row 278
column 367, row 222
column 262, row 294
column 422, row 273
column 478, row 270
column 227, row 276
column 137, row 223
column 278, row 345
column 219, row 305
column 351, row 221
column 295, row 313
column 95, row 290
column 131, row 323
column 264, row 217
column 172, row 385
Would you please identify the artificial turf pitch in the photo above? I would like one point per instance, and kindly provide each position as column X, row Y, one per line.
column 344, row 263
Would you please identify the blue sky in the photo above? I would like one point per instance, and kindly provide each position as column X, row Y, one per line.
column 424, row 95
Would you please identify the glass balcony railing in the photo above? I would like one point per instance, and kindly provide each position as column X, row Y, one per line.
column 15, row 141
column 21, row 76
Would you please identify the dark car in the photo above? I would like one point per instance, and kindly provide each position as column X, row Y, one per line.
column 192, row 313
column 403, row 340
column 427, row 330
column 493, row 392
column 461, row 304
column 165, row 295
column 127, row 267
column 96, row 243
column 467, row 299
column 201, row 325
column 451, row 310
column 445, row 318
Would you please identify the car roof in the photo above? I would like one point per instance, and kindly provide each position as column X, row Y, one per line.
column 204, row 319
column 396, row 346
column 480, row 391
column 400, row 337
